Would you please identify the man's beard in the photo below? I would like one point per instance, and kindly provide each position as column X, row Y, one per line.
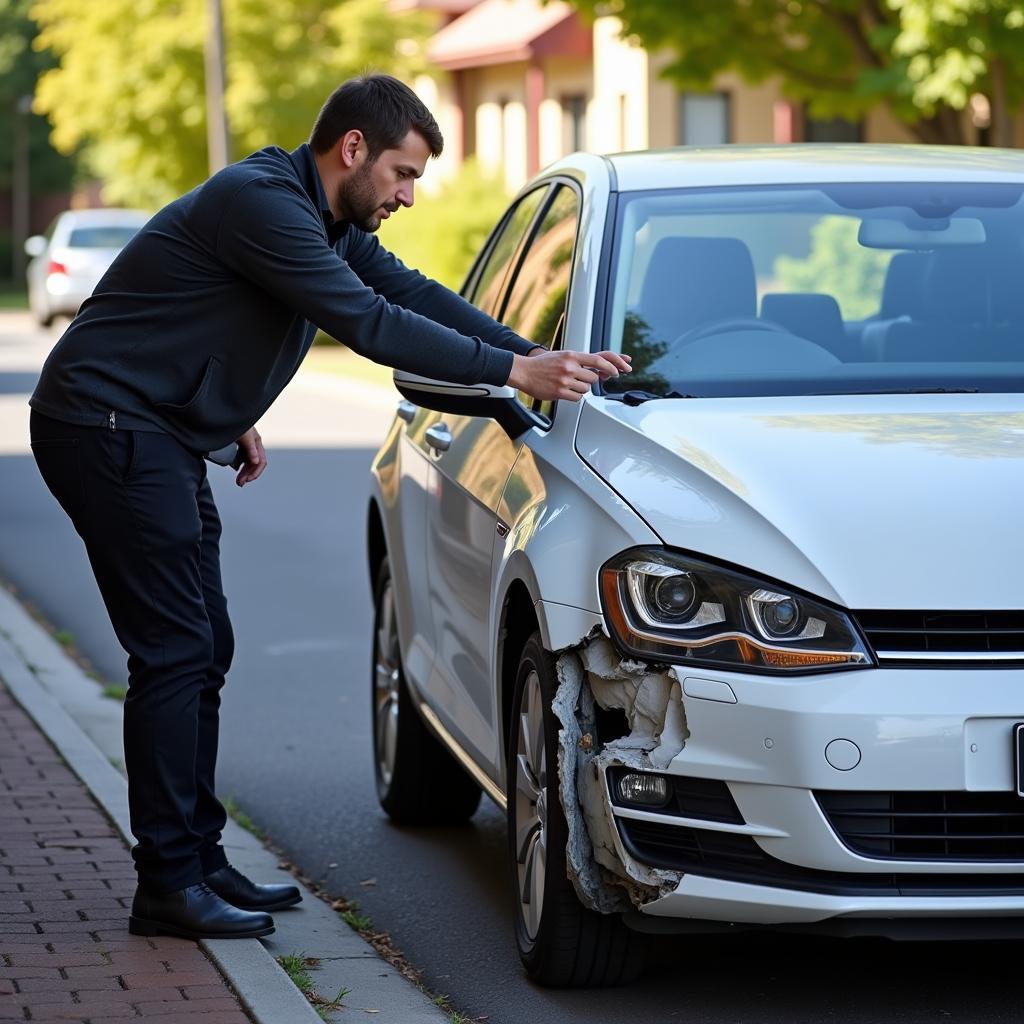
column 358, row 198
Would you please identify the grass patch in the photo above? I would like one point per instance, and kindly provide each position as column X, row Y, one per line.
column 338, row 361
column 297, row 966
column 13, row 298
column 236, row 814
column 64, row 637
column 115, row 691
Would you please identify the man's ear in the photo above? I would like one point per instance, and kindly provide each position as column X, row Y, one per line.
column 349, row 147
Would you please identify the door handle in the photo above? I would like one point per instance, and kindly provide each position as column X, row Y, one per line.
column 406, row 411
column 438, row 437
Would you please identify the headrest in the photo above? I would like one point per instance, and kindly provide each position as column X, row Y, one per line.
column 811, row 315
column 903, row 292
column 958, row 287
column 692, row 281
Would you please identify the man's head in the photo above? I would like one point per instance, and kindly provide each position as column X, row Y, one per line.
column 372, row 140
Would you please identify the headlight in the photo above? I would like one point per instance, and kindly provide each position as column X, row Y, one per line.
column 665, row 606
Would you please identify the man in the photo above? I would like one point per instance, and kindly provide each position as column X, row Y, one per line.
column 190, row 336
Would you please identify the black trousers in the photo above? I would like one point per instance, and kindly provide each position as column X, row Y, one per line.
column 143, row 506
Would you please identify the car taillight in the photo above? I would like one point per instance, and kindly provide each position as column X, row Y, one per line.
column 56, row 267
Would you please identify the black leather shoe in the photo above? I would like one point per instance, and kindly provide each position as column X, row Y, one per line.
column 194, row 913
column 231, row 885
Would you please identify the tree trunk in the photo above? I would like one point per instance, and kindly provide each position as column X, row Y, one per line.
column 1002, row 123
column 942, row 129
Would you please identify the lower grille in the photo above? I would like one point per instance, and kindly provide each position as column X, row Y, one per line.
column 928, row 825
column 909, row 636
column 738, row 858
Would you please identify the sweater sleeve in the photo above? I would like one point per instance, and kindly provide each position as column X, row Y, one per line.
column 270, row 235
column 389, row 276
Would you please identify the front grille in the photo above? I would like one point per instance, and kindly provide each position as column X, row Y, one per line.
column 690, row 797
column 738, row 858
column 928, row 825
column 945, row 636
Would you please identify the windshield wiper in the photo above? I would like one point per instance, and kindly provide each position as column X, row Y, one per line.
column 639, row 397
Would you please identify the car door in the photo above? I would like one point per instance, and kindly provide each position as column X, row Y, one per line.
column 471, row 465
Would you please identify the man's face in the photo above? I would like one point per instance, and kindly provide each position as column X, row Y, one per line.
column 375, row 190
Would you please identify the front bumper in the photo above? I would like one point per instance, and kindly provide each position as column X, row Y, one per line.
column 775, row 741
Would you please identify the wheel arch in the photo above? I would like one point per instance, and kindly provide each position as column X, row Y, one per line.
column 518, row 620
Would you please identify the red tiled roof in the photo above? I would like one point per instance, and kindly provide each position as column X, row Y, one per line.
column 503, row 31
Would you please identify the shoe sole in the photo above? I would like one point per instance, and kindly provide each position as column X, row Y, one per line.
column 140, row 926
column 270, row 908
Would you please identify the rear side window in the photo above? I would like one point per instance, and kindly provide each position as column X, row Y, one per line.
column 108, row 236
column 487, row 289
column 537, row 299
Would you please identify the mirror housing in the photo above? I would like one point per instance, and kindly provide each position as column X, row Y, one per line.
column 496, row 402
column 35, row 246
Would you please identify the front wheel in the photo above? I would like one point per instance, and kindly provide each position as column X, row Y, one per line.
column 561, row 943
column 418, row 781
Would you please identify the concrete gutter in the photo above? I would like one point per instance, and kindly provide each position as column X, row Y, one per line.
column 85, row 727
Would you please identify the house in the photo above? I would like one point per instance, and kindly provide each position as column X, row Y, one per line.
column 525, row 82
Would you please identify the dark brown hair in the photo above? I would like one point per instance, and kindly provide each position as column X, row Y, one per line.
column 382, row 108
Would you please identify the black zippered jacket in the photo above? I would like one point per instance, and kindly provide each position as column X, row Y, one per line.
column 207, row 313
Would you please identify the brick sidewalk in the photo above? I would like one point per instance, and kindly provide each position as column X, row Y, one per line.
column 66, row 882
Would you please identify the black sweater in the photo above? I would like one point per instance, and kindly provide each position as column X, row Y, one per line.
column 207, row 313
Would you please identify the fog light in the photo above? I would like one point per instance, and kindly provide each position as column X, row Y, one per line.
column 644, row 789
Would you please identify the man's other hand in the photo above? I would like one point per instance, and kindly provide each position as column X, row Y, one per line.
column 555, row 375
column 255, row 457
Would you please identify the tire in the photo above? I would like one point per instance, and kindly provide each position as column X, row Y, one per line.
column 418, row 780
column 561, row 943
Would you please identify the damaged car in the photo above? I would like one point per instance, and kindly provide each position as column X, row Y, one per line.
column 738, row 639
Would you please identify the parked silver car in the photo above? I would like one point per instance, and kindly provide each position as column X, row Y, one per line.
column 69, row 260
column 738, row 639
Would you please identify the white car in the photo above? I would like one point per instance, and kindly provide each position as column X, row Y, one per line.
column 69, row 260
column 738, row 639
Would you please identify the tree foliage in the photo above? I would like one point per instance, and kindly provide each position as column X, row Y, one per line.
column 130, row 88
column 923, row 59
column 20, row 66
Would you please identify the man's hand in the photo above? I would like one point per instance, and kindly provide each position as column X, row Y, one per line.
column 555, row 375
column 255, row 457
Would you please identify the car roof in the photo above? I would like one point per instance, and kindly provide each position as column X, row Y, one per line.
column 694, row 166
column 104, row 215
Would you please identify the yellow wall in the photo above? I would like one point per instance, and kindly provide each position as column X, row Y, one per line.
column 620, row 107
column 563, row 77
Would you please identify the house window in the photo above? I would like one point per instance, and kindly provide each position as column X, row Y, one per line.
column 704, row 118
column 833, row 129
column 574, row 123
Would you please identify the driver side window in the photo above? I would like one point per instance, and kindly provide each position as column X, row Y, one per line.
column 536, row 303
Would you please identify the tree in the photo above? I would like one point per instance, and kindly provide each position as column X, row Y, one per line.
column 922, row 59
column 20, row 66
column 129, row 90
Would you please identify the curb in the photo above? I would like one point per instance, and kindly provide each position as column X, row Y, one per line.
column 263, row 988
column 84, row 726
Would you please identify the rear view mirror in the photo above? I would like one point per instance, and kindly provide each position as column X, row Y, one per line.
column 499, row 403
column 889, row 233
column 35, row 245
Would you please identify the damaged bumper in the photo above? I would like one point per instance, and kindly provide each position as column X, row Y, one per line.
column 794, row 800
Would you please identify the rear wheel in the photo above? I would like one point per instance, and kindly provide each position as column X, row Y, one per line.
column 561, row 943
column 418, row 781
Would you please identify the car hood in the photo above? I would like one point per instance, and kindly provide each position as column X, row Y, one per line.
column 879, row 501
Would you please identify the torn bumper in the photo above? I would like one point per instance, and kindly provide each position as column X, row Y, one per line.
column 780, row 749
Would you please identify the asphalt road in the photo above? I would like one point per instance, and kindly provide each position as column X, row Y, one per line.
column 295, row 751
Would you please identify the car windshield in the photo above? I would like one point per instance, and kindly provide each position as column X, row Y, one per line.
column 821, row 289
column 102, row 236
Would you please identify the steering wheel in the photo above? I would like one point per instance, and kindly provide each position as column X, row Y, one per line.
column 730, row 323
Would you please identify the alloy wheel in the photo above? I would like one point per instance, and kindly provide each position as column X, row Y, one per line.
column 386, row 674
column 531, row 805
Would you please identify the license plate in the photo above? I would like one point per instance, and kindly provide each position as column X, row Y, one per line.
column 1018, row 757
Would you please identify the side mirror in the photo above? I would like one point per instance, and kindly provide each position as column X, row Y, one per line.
column 35, row 246
column 499, row 403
